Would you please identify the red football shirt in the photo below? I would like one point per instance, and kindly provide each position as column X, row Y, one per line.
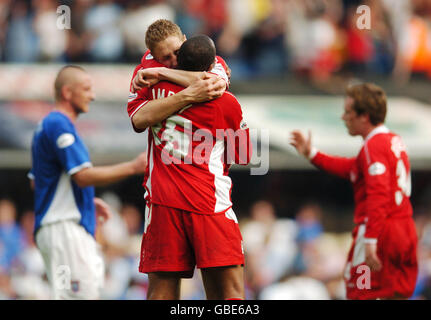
column 380, row 175
column 190, row 153
column 139, row 99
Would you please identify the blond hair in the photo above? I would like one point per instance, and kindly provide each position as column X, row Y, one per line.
column 159, row 31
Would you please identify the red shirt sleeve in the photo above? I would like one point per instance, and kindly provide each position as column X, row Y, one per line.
column 339, row 166
column 220, row 68
column 139, row 99
column 235, row 131
column 375, row 167
column 136, row 100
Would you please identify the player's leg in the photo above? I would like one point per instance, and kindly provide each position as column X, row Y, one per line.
column 166, row 255
column 400, row 256
column 217, row 244
column 164, row 286
column 74, row 266
column 223, row 283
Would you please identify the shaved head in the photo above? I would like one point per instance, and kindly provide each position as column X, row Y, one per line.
column 68, row 75
column 73, row 87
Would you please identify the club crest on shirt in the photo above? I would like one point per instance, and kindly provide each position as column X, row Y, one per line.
column 377, row 168
column 65, row 140
column 243, row 125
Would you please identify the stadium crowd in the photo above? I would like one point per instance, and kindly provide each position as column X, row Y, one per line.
column 312, row 38
column 286, row 258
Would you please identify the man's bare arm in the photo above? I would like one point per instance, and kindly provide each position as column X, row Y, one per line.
column 156, row 111
column 151, row 76
column 104, row 175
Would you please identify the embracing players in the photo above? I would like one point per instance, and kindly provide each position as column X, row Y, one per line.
column 189, row 216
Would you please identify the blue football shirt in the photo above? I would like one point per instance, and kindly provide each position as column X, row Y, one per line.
column 57, row 153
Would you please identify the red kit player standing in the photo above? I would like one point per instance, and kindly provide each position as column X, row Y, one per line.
column 189, row 217
column 384, row 237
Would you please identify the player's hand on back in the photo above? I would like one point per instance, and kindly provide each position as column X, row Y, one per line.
column 371, row 258
column 301, row 143
column 145, row 78
column 228, row 72
column 140, row 163
column 206, row 89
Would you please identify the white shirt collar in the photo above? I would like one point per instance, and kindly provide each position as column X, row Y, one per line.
column 380, row 129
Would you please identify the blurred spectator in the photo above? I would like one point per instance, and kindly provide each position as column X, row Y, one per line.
column 369, row 50
column 52, row 41
column 102, row 22
column 296, row 288
column 414, row 43
column 309, row 231
column 78, row 39
column 11, row 241
column 236, row 37
column 317, row 39
column 269, row 245
column 120, row 238
column 423, row 285
column 28, row 277
column 6, row 290
column 202, row 16
column 135, row 21
column 4, row 13
column 21, row 44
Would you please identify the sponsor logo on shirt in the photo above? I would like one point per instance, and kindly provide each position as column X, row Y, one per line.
column 65, row 140
column 377, row 168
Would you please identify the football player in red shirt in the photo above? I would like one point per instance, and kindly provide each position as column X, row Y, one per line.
column 382, row 261
column 189, row 216
column 163, row 39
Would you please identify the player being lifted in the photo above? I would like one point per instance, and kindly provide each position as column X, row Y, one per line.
column 384, row 237
column 189, row 216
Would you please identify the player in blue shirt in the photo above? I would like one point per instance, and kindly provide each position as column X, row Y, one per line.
column 63, row 179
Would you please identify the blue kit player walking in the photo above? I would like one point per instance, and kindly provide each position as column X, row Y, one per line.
column 63, row 180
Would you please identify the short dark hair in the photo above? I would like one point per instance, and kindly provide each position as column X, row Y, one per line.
column 196, row 54
column 369, row 99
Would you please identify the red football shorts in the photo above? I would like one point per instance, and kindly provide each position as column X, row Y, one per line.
column 175, row 240
column 397, row 251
